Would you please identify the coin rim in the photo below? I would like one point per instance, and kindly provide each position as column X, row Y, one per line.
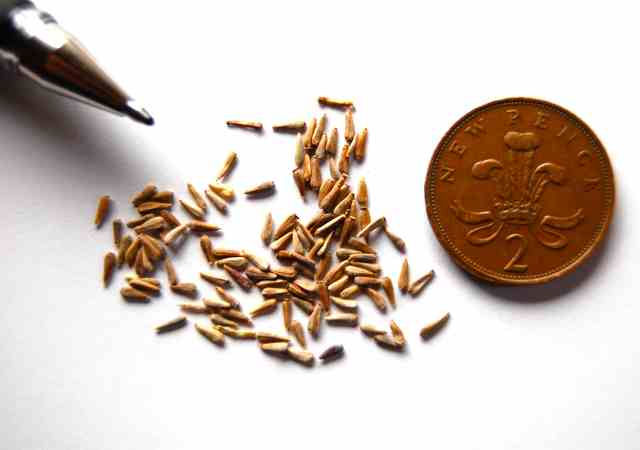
column 488, row 275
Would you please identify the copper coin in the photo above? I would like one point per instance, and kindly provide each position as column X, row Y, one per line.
column 520, row 191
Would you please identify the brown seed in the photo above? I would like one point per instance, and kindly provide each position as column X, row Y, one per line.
column 174, row 234
column 153, row 207
column 125, row 243
column 344, row 161
column 319, row 130
column 163, row 197
column 207, row 249
column 363, row 194
column 117, row 227
column 146, row 194
column 215, row 280
column 331, row 197
column 395, row 240
column 361, row 148
column 217, row 201
column 227, row 166
column 315, row 248
column 110, row 260
column 301, row 356
column 133, row 295
column 325, row 244
column 358, row 244
column 397, row 333
column 376, row 224
column 300, row 258
column 360, row 259
column 342, row 319
column 145, row 286
column 221, row 252
column 346, row 253
column 307, row 138
column 256, row 126
column 342, row 303
column 102, row 210
column 316, row 174
column 356, row 271
column 297, row 243
column 347, row 230
column 272, row 284
column 342, row 208
column 275, row 347
column 388, row 342
column 186, row 289
column 332, row 353
column 329, row 226
column 371, row 267
column 193, row 307
column 171, row 272
column 327, row 101
column 349, row 127
column 267, row 230
column 333, row 169
column 321, row 149
column 298, row 178
column 335, row 272
column 237, row 262
column 287, row 314
column 298, row 332
column 305, row 271
column 286, row 226
column 339, row 285
column 258, row 275
column 266, row 307
column 350, row 291
column 317, row 220
column 371, row 330
column 172, row 325
column 282, row 242
column 377, row 299
column 332, row 142
column 265, row 337
column 306, row 168
column 325, row 188
column 305, row 305
column 433, row 327
column 257, row 261
column 226, row 297
column 153, row 247
column 266, row 188
column 306, row 285
column 236, row 333
column 387, row 285
column 145, row 261
column 285, row 272
column 416, row 287
column 323, row 294
column 403, row 279
column 216, row 304
column 368, row 281
column 315, row 319
column 271, row 292
column 323, row 266
column 170, row 218
column 288, row 127
column 236, row 316
column 192, row 209
column 211, row 333
column 199, row 226
column 153, row 224
column 224, row 191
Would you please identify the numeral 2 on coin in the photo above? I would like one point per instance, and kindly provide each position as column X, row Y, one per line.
column 511, row 265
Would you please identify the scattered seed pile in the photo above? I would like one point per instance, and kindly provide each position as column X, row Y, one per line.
column 323, row 266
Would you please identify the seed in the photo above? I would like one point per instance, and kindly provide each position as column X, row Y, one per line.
column 305, row 305
column 335, row 272
column 236, row 316
column 285, row 272
column 371, row 267
column 317, row 220
column 207, row 249
column 323, row 294
column 304, row 235
column 150, row 207
column 267, row 230
column 333, row 169
column 172, row 325
column 346, row 253
column 107, row 271
column 298, row 178
column 224, row 191
column 323, row 265
column 319, row 130
column 306, row 285
column 329, row 199
column 145, row 262
column 326, row 101
column 378, row 223
column 216, row 304
column 296, row 243
column 431, row 328
column 257, row 261
column 377, row 299
column 266, row 307
column 193, row 307
column 342, row 303
column 282, row 242
column 275, row 347
column 363, row 194
column 211, row 333
column 264, row 337
column 236, row 333
column 347, row 230
column 171, row 272
column 226, row 297
column 356, row 271
column 174, row 234
column 153, row 224
column 117, row 227
column 216, row 281
column 322, row 147
column 364, row 260
column 288, row 127
column 306, row 168
column 332, row 353
column 371, row 330
column 286, row 226
column 395, row 240
column 332, row 224
column 163, row 196
column 257, row 126
column 152, row 246
column 125, row 243
column 221, row 252
column 343, row 319
column 416, row 287
column 332, row 142
column 192, row 209
column 388, row 342
column 342, row 208
column 272, row 284
column 302, row 259
column 266, row 188
column 387, row 285
column 274, row 292
column 217, row 201
column 147, row 193
column 344, row 161
column 349, row 127
column 403, row 279
column 102, row 210
column 237, row 262
column 287, row 314
column 298, row 332
column 316, row 174
column 145, row 286
column 257, row 275
column 397, row 333
column 368, row 281
column 170, row 218
column 315, row 319
column 307, row 138
column 199, row 226
column 305, row 271
column 361, row 148
column 133, row 295
column 339, row 285
column 360, row 245
column 301, row 356
column 228, row 165
column 350, row 291
column 186, row 289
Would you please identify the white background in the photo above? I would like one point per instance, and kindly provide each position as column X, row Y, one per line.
column 548, row 367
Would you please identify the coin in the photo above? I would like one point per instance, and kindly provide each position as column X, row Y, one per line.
column 520, row 191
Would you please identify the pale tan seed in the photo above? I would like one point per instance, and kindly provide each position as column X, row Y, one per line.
column 216, row 304
column 363, row 194
column 321, row 149
column 287, row 127
column 194, row 210
column 307, row 138
column 133, row 295
column 416, row 287
column 110, row 261
column 246, row 124
column 224, row 191
column 349, row 127
column 329, row 226
column 332, row 142
column 371, row 267
column 270, row 292
column 227, row 166
column 364, row 220
column 287, row 314
column 171, row 325
column 257, row 261
column 153, row 247
column 327, row 101
column 316, row 174
column 301, row 356
column 377, row 299
column 433, row 327
column 350, row 292
column 125, row 243
column 117, row 227
column 218, row 202
column 207, row 249
column 163, row 196
column 147, row 193
column 170, row 218
column 303, row 243
column 102, row 210
column 226, row 297
column 368, row 281
column 296, row 243
column 172, row 276
column 272, row 284
column 219, row 319
column 339, row 285
column 397, row 333
column 145, row 261
column 371, row 330
column 317, row 220
column 285, row 272
column 265, row 188
column 319, row 130
column 353, row 212
column 237, row 262
column 215, row 280
column 343, row 319
column 306, row 168
column 361, row 148
column 282, row 242
column 376, row 224
column 325, row 244
column 335, row 272
column 211, row 333
column 236, row 316
column 221, row 252
column 275, row 347
column 266, row 307
column 395, row 240
column 388, row 342
column 298, row 179
column 193, row 307
column 331, row 197
column 315, row 319
column 333, row 169
column 153, row 281
column 403, row 278
column 174, row 234
column 267, row 230
column 145, row 286
column 203, row 227
column 342, row 208
column 346, row 304
column 153, row 207
column 298, row 332
column 265, row 337
column 387, row 285
column 186, row 289
column 356, row 271
column 153, row 224
column 236, row 333
column 286, row 226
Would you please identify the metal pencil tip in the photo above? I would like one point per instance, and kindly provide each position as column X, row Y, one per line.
column 138, row 113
